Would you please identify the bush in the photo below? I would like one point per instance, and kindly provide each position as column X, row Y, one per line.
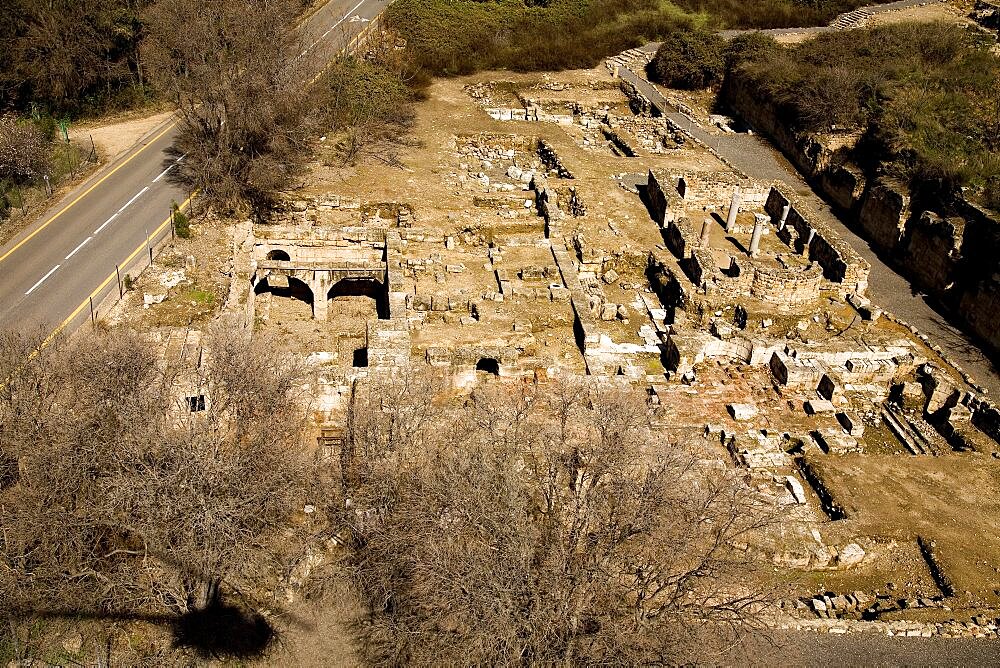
column 773, row 13
column 454, row 37
column 749, row 47
column 182, row 225
column 24, row 150
column 689, row 60
column 924, row 96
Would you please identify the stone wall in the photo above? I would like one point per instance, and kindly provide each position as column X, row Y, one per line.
column 680, row 237
column 807, row 154
column 843, row 184
column 786, row 287
column 885, row 209
column 840, row 263
column 932, row 250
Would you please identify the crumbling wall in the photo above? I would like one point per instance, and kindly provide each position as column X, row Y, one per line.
column 885, row 209
column 932, row 250
column 840, row 263
column 786, row 287
column 843, row 184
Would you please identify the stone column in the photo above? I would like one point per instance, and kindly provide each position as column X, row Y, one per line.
column 706, row 233
column 320, row 286
column 784, row 217
column 734, row 208
column 758, row 229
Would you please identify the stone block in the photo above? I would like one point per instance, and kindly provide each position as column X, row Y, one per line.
column 851, row 423
column 852, row 554
column 816, row 406
column 795, row 487
column 742, row 411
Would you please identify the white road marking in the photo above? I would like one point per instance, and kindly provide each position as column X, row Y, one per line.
column 42, row 279
column 82, row 244
column 134, row 198
column 164, row 172
column 331, row 28
column 105, row 224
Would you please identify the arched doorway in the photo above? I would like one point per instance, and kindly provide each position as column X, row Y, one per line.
column 488, row 365
column 279, row 255
column 363, row 287
column 282, row 286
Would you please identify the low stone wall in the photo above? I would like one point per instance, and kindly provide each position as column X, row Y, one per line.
column 786, row 287
column 528, row 114
column 840, row 263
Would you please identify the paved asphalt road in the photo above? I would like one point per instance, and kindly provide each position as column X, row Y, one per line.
column 52, row 270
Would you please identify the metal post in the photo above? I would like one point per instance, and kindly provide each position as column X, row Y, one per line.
column 93, row 317
column 118, row 273
column 149, row 248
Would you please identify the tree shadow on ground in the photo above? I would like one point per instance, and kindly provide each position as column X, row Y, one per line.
column 224, row 630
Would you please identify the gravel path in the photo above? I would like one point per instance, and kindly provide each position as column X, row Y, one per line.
column 804, row 648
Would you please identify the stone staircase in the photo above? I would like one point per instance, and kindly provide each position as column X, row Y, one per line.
column 853, row 19
column 916, row 434
column 633, row 59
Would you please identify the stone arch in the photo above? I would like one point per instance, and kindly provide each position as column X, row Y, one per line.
column 281, row 286
column 363, row 287
column 490, row 365
column 279, row 255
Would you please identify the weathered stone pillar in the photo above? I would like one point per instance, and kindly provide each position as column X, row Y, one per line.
column 784, row 217
column 758, row 229
column 734, row 208
column 319, row 286
column 706, row 233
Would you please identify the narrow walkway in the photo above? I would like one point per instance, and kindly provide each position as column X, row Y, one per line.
column 756, row 158
column 855, row 18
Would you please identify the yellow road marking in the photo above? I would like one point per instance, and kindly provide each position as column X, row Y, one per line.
column 85, row 193
column 107, row 281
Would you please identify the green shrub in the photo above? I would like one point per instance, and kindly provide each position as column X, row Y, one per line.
column 749, row 47
column 689, row 59
column 182, row 225
column 924, row 96
column 454, row 37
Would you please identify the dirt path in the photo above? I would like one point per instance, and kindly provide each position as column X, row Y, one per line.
column 113, row 139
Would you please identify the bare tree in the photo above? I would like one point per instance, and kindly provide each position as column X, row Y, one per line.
column 547, row 525
column 125, row 501
column 24, row 150
column 227, row 65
